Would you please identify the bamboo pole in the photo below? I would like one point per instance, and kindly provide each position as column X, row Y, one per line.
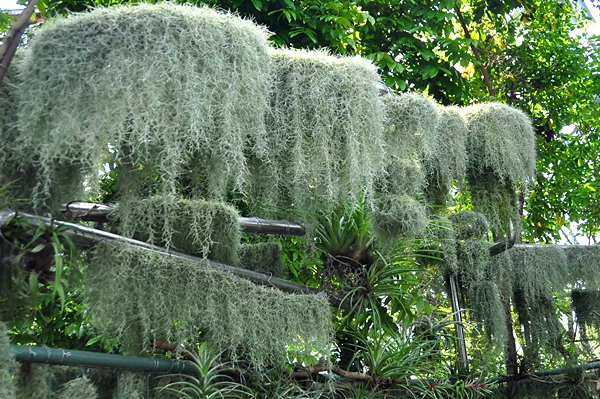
column 88, row 236
column 94, row 212
column 67, row 357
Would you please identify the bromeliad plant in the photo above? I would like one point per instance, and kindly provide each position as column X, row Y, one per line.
column 411, row 362
column 345, row 239
column 207, row 382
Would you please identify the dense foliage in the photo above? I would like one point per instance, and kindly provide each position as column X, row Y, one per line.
column 316, row 139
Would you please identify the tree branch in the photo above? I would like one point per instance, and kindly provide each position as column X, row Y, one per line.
column 11, row 40
column 484, row 73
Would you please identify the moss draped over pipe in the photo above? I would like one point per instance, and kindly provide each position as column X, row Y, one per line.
column 138, row 297
column 501, row 160
column 325, row 129
column 263, row 257
column 196, row 227
column 165, row 91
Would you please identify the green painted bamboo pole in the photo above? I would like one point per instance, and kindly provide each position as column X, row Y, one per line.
column 66, row 357
column 546, row 373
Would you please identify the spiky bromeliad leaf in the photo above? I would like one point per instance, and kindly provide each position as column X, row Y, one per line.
column 162, row 89
column 138, row 297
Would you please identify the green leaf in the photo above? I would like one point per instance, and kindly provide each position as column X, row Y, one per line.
column 343, row 21
column 257, row 4
column 38, row 248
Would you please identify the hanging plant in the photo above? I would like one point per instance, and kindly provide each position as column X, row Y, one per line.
column 398, row 215
column 447, row 164
column 17, row 175
column 262, row 257
column 138, row 297
column 410, row 137
column 411, row 122
column 165, row 88
column 132, row 386
column 325, row 133
column 32, row 381
column 475, row 270
column 80, row 388
column 7, row 384
column 501, row 160
column 196, row 227
column 527, row 262
column 584, row 265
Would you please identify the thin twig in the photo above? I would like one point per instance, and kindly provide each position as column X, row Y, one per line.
column 484, row 73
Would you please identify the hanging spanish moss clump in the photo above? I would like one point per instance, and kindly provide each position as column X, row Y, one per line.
column 7, row 384
column 196, row 227
column 132, row 386
column 586, row 304
column 398, row 215
column 80, row 388
column 448, row 163
column 409, row 134
column 475, row 271
column 168, row 89
column 104, row 380
column 411, row 122
column 584, row 265
column 138, row 297
column 17, row 176
column 33, row 381
column 484, row 298
column 469, row 225
column 472, row 246
column 538, row 270
column 325, row 134
column 501, row 148
column 440, row 240
column 262, row 257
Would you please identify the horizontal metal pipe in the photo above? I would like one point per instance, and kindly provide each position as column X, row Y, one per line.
column 67, row 357
column 88, row 236
column 546, row 373
column 95, row 212
column 503, row 246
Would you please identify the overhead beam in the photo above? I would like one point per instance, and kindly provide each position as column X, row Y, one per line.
column 95, row 212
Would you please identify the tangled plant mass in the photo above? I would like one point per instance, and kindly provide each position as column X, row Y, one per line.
column 191, row 108
column 138, row 297
column 191, row 102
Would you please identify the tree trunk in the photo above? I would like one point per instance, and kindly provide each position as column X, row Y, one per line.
column 11, row 40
